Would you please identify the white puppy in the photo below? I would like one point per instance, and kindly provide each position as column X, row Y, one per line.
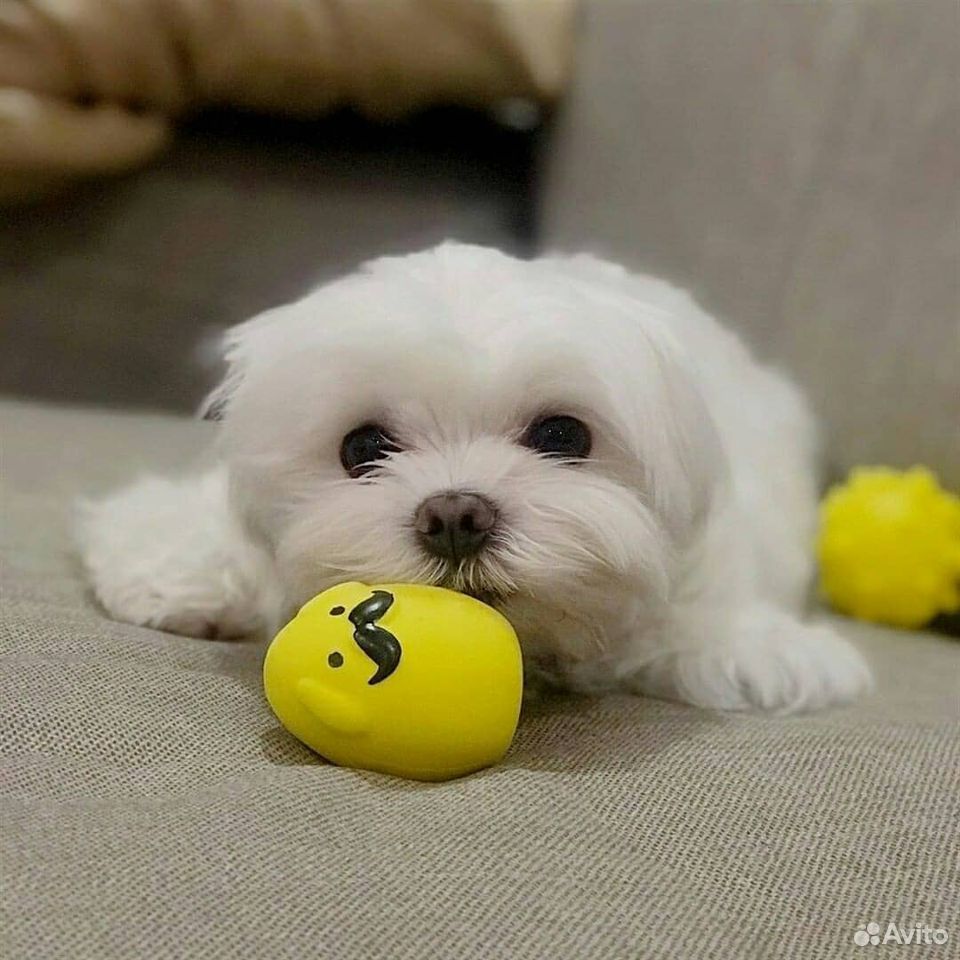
column 582, row 447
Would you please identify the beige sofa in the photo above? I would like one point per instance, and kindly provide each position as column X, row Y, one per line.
column 152, row 808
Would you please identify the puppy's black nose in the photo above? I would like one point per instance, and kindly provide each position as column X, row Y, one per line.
column 454, row 525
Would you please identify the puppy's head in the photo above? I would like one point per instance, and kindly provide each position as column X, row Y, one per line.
column 527, row 432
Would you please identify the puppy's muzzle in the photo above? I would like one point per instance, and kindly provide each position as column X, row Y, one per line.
column 454, row 525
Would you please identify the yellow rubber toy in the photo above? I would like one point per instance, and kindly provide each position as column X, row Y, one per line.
column 889, row 547
column 405, row 679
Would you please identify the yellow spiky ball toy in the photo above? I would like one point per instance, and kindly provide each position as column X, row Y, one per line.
column 889, row 547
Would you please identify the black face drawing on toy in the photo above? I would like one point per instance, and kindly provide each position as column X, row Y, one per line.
column 379, row 644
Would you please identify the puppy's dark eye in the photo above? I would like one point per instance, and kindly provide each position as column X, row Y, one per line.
column 361, row 448
column 559, row 436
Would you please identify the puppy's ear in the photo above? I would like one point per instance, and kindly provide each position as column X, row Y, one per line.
column 238, row 347
column 212, row 407
column 684, row 456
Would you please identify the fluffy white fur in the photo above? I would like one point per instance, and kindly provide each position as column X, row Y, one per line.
column 673, row 562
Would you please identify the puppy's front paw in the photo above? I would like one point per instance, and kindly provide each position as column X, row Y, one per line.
column 769, row 661
column 163, row 554
column 779, row 663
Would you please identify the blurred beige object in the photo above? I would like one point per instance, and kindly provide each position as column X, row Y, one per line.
column 44, row 140
column 88, row 86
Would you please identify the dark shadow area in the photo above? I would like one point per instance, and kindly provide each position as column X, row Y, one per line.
column 284, row 749
column 570, row 734
column 114, row 291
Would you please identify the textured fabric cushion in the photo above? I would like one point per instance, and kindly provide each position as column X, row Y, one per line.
column 795, row 164
column 153, row 808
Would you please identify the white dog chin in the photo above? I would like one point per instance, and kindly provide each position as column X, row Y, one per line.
column 582, row 447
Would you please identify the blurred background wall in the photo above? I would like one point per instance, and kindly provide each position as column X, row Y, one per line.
column 795, row 164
